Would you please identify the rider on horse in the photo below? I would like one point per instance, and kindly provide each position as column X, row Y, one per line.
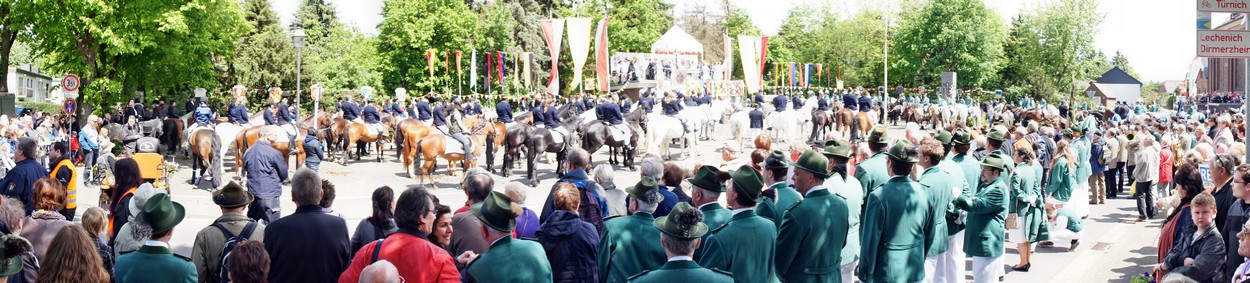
column 450, row 125
column 503, row 112
column 610, row 113
column 238, row 113
column 757, row 119
column 424, row 113
column 204, row 116
column 822, row 103
column 796, row 102
column 848, row 101
column 350, row 111
column 646, row 101
column 779, row 102
column 671, row 106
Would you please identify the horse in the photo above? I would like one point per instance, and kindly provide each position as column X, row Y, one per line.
column 596, row 135
column 491, row 133
column 864, row 122
column 356, row 132
column 171, row 134
column 246, row 138
column 845, row 120
column 541, row 141
column 406, row 130
column 821, row 123
column 661, row 130
column 205, row 148
column 431, row 147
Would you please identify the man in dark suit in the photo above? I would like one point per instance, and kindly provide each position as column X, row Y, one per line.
column 310, row 245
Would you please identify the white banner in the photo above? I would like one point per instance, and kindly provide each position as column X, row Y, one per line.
column 579, row 47
column 553, row 32
column 748, row 47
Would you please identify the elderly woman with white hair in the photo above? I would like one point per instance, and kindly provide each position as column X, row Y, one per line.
column 613, row 196
column 526, row 223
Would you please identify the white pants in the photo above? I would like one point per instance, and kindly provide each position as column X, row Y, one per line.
column 1062, row 236
column 986, row 269
column 948, row 267
column 426, row 122
column 1079, row 203
column 848, row 271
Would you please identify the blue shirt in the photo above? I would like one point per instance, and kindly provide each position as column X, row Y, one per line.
column 423, row 110
column 20, row 182
column 503, row 111
column 238, row 114
column 779, row 103
column 848, row 101
column 865, row 103
column 666, row 206
column 203, row 115
column 757, row 118
column 371, row 115
column 440, row 116
column 610, row 113
column 350, row 112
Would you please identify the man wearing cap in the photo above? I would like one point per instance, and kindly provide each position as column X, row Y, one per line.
column 747, row 242
column 206, row 253
column 680, row 237
column 996, row 143
column 896, row 223
column 961, row 141
column 526, row 261
column 947, row 266
column 987, row 209
column 423, row 111
column 813, row 231
column 871, row 172
column 627, row 246
column 847, row 187
column 779, row 196
column 155, row 262
column 707, row 188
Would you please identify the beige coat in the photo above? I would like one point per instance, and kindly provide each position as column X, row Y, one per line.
column 208, row 242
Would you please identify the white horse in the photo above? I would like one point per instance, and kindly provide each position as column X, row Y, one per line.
column 663, row 129
column 693, row 117
column 740, row 125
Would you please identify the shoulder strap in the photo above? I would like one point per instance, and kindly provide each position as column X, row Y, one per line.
column 224, row 231
column 377, row 250
column 247, row 230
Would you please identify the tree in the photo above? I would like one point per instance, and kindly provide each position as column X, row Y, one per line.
column 739, row 23
column 348, row 60
column 15, row 18
column 1051, row 48
column 636, row 24
column 1121, row 61
column 266, row 56
column 409, row 28
column 317, row 19
column 962, row 36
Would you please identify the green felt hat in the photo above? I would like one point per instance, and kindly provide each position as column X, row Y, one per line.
column 10, row 266
column 878, row 135
column 997, row 135
column 232, row 196
column 162, row 213
column 903, row 151
column 996, row 161
column 837, row 148
column 813, row 162
column 961, row 137
column 776, row 160
column 748, row 181
column 706, row 179
column 945, row 137
column 495, row 212
column 674, row 227
column 639, row 190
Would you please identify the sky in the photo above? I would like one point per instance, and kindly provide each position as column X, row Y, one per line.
column 1157, row 36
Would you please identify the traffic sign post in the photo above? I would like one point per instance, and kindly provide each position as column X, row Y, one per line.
column 70, row 85
column 70, row 106
column 1224, row 43
column 1224, row 6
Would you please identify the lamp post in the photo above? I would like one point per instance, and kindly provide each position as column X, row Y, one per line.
column 297, row 37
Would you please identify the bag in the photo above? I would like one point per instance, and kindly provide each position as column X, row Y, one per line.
column 1013, row 221
column 232, row 241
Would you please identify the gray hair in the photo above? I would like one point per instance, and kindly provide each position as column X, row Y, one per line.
column 11, row 212
column 651, row 199
column 1225, row 162
column 382, row 271
column 604, row 174
column 27, row 146
column 579, row 158
column 267, row 132
column 306, row 187
column 652, row 167
column 708, row 193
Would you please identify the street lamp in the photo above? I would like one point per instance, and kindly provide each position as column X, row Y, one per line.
column 297, row 38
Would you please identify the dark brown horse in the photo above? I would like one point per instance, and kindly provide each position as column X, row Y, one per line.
column 171, row 134
column 821, row 124
column 597, row 134
column 514, row 143
column 205, row 150
column 248, row 137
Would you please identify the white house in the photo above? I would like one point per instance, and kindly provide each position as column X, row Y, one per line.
column 27, row 84
column 1115, row 86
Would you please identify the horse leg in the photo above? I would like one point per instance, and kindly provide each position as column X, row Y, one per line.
column 378, row 144
column 490, row 153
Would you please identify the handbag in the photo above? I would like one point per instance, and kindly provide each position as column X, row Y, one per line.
column 1013, row 221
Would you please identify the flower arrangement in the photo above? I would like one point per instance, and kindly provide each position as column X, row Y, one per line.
column 1143, row 278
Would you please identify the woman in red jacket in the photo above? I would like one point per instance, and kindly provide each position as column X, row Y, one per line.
column 1165, row 169
column 416, row 258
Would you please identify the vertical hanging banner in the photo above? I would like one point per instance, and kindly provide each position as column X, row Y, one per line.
column 751, row 75
column 818, row 71
column 762, row 48
column 447, row 64
column 792, row 73
column 553, row 32
column 601, row 54
column 516, row 68
column 579, row 47
column 429, row 62
column 473, row 71
column 503, row 60
column 807, row 75
column 458, row 62
column 525, row 67
column 729, row 58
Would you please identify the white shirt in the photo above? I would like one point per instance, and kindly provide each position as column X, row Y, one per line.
column 156, row 244
column 741, row 210
column 681, row 258
column 814, row 189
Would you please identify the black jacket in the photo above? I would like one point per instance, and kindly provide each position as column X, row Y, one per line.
column 308, row 246
column 572, row 247
column 1207, row 252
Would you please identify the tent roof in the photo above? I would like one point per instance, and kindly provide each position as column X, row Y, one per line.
column 677, row 41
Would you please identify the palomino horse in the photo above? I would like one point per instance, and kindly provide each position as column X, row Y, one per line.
column 409, row 130
column 598, row 134
column 246, row 138
column 205, row 148
column 432, row 147
column 357, row 132
column 490, row 132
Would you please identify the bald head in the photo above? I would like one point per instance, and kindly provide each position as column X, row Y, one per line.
column 380, row 272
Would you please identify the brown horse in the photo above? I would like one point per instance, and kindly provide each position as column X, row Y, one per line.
column 845, row 121
column 821, row 124
column 405, row 131
column 491, row 134
column 171, row 134
column 432, row 147
column 205, row 148
column 248, row 137
column 864, row 123
column 356, row 132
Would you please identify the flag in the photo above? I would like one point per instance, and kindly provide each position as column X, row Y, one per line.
column 729, row 57
column 429, row 61
column 553, row 31
column 473, row 70
column 525, row 67
column 447, row 64
column 457, row 62
column 751, row 76
column 792, row 75
column 763, row 49
column 807, row 75
column 601, row 54
column 579, row 47
column 503, row 60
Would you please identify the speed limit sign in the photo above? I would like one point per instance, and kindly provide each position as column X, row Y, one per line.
column 70, row 83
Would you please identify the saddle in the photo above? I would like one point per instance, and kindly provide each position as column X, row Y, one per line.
column 619, row 132
column 452, row 146
column 557, row 134
column 370, row 129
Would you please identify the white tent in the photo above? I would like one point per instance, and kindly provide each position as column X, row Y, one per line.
column 677, row 41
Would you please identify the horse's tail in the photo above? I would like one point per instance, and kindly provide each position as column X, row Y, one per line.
column 214, row 165
column 416, row 159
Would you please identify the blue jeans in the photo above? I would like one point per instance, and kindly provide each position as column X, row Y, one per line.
column 267, row 210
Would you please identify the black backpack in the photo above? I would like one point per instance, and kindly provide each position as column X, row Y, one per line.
column 232, row 241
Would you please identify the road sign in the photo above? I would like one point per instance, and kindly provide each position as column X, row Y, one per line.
column 1204, row 20
column 70, row 83
column 69, row 106
column 1224, row 43
column 1224, row 6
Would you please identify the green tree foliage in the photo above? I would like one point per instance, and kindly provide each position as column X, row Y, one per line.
column 817, row 34
column 1051, row 48
column 318, row 20
column 961, row 36
column 266, row 56
column 118, row 47
column 739, row 23
column 14, row 20
column 348, row 60
column 408, row 30
column 636, row 24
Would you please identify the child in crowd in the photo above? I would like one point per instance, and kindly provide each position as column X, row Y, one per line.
column 1199, row 255
column 1064, row 226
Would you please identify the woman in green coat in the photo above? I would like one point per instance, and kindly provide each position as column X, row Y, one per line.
column 1062, row 174
column 1026, row 203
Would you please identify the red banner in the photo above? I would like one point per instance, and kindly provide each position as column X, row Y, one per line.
column 553, row 33
column 763, row 55
column 601, row 54
column 457, row 61
column 429, row 61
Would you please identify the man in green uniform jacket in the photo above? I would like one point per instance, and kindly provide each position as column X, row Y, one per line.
column 628, row 244
column 747, row 241
column 987, row 210
column 681, row 231
column 963, row 157
column 897, row 223
column 526, row 260
column 948, row 266
column 707, row 188
column 872, row 173
column 813, row 231
column 847, row 187
column 779, row 196
column 154, row 262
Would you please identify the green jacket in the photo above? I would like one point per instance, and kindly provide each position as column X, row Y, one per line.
column 681, row 271
column 1062, row 179
column 1082, row 148
column 972, row 170
column 811, row 237
column 1074, row 222
column 748, row 244
column 628, row 246
column 152, row 264
column 526, row 261
column 848, row 190
column 715, row 215
column 986, row 212
column 872, row 173
column 1026, row 202
column 775, row 208
column 960, row 181
column 897, row 224
column 939, row 186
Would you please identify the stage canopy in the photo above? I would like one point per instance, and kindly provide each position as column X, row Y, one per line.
column 677, row 41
